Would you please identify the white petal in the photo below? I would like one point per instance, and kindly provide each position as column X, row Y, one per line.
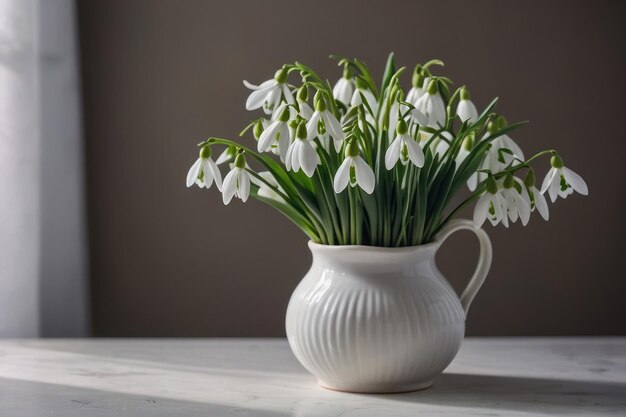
column 541, row 204
column 230, row 186
column 466, row 110
column 224, row 156
column 256, row 99
column 305, row 110
column 290, row 155
column 333, row 126
column 438, row 112
column 548, row 180
column 215, row 173
column 308, row 158
column 416, row 154
column 481, row 210
column 364, row 175
column 342, row 177
column 283, row 141
column 268, row 137
column 311, row 126
column 193, row 172
column 244, row 185
column 208, row 175
column 287, row 94
column 393, row 153
column 576, row 181
column 264, row 85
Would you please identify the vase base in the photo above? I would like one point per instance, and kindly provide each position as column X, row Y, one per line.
column 382, row 389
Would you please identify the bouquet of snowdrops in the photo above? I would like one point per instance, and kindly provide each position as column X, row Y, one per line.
column 362, row 164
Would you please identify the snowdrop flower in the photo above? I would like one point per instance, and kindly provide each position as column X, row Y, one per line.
column 429, row 109
column 403, row 148
column 354, row 170
column 360, row 91
column 204, row 171
column 537, row 200
column 269, row 93
column 503, row 150
column 491, row 205
column 441, row 145
column 517, row 202
column 327, row 120
column 344, row 88
column 417, row 86
column 302, row 153
column 228, row 154
column 464, row 151
column 562, row 181
column 302, row 97
column 276, row 135
column 466, row 110
column 265, row 190
column 237, row 181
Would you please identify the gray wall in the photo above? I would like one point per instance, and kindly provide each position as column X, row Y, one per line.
column 159, row 76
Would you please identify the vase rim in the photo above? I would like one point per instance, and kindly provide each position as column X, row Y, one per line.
column 396, row 249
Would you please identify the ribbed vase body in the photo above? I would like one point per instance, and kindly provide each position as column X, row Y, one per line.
column 368, row 319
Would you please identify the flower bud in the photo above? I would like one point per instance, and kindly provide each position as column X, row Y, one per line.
column 465, row 95
column 432, row 87
column 281, row 75
column 402, row 128
column 257, row 129
column 492, row 185
column 347, row 74
column 303, row 93
column 352, row 149
column 509, row 182
column 205, row 152
column 529, row 179
column 556, row 161
column 320, row 103
column 417, row 80
column 240, row 160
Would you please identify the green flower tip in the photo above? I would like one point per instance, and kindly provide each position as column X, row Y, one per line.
column 465, row 94
column 402, row 128
column 205, row 152
column 303, row 94
column 240, row 160
column 347, row 74
column 352, row 149
column 468, row 143
column 529, row 179
column 281, row 75
column 417, row 80
column 257, row 129
column 284, row 115
column 301, row 131
column 432, row 87
column 556, row 161
column 492, row 185
column 509, row 182
column 320, row 103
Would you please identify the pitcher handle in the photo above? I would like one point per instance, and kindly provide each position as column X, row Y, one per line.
column 484, row 259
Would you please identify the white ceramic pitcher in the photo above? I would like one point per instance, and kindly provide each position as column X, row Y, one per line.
column 377, row 320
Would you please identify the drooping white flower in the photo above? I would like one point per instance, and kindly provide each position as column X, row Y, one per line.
column 418, row 83
column 561, row 181
column 237, row 181
column 276, row 135
column 204, row 171
column 269, row 93
column 537, row 200
column 354, row 171
column 441, row 145
column 343, row 90
column 357, row 98
column 491, row 205
column 404, row 148
column 302, row 98
column 328, row 121
column 264, row 189
column 429, row 109
column 517, row 199
column 466, row 110
column 302, row 153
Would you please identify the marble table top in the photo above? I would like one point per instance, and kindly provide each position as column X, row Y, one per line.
column 261, row 378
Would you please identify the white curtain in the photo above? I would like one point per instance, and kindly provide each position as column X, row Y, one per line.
column 43, row 247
